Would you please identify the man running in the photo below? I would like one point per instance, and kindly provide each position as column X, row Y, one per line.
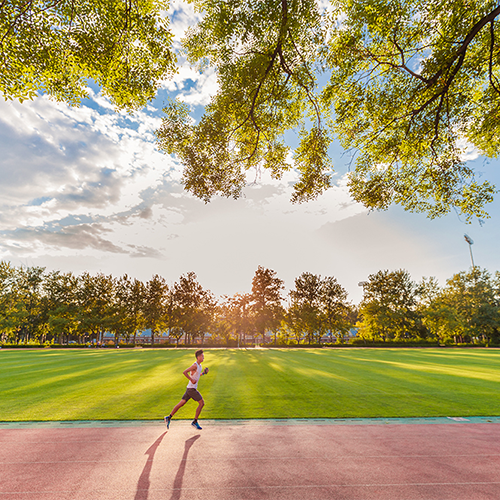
column 193, row 374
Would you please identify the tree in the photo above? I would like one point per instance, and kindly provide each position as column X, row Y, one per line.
column 135, row 301
column 306, row 306
column 193, row 307
column 222, row 328
column 11, row 312
column 264, row 53
column 466, row 308
column 55, row 47
column 266, row 305
column 476, row 301
column 411, row 84
column 388, row 308
column 336, row 311
column 61, row 292
column 239, row 315
column 291, row 325
column 96, row 297
column 28, row 289
column 155, row 305
column 129, row 301
column 437, row 315
column 318, row 306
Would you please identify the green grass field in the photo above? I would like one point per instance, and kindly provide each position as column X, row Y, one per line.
column 145, row 384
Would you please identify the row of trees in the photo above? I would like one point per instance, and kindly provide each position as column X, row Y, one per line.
column 466, row 309
column 41, row 306
column 54, row 306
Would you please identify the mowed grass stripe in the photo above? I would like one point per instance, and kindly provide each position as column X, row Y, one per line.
column 146, row 384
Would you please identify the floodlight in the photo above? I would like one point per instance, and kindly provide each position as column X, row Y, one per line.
column 470, row 241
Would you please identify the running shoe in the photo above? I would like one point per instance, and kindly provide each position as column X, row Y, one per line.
column 196, row 425
column 167, row 419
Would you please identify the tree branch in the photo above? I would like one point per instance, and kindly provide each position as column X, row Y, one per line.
column 403, row 62
column 276, row 52
column 308, row 93
column 22, row 11
column 490, row 66
column 436, row 122
column 465, row 44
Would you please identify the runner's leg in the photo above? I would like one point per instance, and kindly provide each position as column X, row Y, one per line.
column 180, row 404
column 201, row 404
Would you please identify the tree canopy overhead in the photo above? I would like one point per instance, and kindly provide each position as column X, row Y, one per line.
column 56, row 46
column 411, row 85
column 267, row 55
column 406, row 86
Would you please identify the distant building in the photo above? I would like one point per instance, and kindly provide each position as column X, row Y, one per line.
column 331, row 338
column 142, row 337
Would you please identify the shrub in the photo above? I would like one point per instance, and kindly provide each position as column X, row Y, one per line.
column 22, row 346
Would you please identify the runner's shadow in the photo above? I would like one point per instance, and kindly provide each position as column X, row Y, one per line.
column 179, row 477
column 143, row 484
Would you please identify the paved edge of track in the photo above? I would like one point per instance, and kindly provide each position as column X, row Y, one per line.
column 291, row 421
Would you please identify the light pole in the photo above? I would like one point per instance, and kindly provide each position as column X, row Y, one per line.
column 470, row 241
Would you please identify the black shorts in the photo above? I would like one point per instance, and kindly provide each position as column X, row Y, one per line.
column 192, row 393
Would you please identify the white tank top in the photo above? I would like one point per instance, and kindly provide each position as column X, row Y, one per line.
column 195, row 377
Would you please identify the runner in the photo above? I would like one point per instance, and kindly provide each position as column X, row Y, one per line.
column 193, row 373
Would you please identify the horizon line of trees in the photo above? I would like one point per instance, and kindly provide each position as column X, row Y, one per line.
column 57, row 307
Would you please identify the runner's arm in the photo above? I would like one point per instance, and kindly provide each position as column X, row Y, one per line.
column 187, row 373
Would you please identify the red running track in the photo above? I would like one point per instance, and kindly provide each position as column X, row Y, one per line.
column 303, row 462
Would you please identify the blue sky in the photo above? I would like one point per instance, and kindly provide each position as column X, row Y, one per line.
column 84, row 189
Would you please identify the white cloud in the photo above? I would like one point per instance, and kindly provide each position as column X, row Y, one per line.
column 196, row 87
column 182, row 15
column 200, row 94
column 66, row 160
column 103, row 189
column 468, row 151
column 184, row 74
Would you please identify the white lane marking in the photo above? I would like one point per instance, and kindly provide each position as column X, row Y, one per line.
column 261, row 487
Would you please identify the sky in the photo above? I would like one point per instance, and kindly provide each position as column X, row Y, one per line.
column 85, row 189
